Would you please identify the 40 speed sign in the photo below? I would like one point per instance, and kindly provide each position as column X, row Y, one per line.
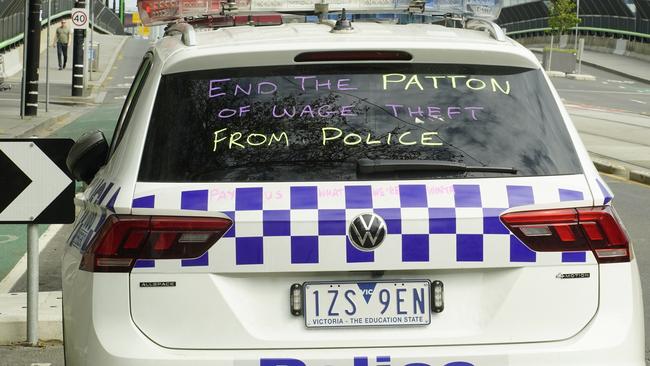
column 79, row 17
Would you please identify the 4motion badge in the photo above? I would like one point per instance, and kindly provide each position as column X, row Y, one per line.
column 565, row 276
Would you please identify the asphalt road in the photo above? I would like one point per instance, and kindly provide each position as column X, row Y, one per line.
column 612, row 115
column 608, row 91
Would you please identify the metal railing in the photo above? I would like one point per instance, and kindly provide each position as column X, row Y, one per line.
column 13, row 26
column 607, row 24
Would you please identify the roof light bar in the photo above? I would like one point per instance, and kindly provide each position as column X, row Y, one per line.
column 163, row 11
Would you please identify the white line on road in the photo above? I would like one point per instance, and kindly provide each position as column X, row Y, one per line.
column 41, row 364
column 121, row 86
column 638, row 101
column 621, row 81
column 7, row 238
column 10, row 280
column 130, row 77
column 600, row 91
column 121, row 97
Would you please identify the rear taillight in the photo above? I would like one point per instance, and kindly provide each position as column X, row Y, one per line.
column 569, row 230
column 124, row 239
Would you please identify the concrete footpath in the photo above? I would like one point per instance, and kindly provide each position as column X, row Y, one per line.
column 63, row 107
column 627, row 66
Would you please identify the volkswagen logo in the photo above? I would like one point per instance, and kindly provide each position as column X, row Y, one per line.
column 367, row 231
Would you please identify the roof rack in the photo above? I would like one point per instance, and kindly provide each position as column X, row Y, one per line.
column 485, row 25
column 188, row 35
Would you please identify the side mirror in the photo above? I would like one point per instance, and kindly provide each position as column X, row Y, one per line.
column 87, row 155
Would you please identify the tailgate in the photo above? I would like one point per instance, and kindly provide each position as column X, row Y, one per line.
column 496, row 290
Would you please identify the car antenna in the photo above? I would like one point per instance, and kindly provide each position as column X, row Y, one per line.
column 342, row 25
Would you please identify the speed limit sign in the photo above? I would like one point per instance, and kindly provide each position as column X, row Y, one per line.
column 79, row 18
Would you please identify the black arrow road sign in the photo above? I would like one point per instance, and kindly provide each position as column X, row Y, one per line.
column 35, row 186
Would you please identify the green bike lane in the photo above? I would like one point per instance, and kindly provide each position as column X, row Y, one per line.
column 13, row 238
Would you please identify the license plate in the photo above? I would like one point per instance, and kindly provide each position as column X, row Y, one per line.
column 367, row 303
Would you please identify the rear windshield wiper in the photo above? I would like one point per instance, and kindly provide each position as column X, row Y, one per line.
column 368, row 166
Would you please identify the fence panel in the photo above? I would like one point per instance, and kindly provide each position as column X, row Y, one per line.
column 607, row 24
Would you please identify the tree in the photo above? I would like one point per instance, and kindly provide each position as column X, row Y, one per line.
column 562, row 16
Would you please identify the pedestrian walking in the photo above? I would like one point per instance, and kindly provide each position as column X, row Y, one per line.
column 62, row 39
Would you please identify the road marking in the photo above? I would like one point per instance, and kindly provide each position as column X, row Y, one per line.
column 19, row 269
column 599, row 91
column 130, row 77
column 621, row 81
column 593, row 108
column 41, row 364
column 121, row 97
column 7, row 238
column 638, row 101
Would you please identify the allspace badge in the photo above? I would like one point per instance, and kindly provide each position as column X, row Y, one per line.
column 158, row 284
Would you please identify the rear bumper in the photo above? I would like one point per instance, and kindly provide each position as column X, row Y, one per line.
column 615, row 336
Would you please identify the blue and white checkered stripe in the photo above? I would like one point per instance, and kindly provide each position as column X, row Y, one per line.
column 297, row 227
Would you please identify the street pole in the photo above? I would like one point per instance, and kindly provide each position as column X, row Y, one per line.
column 24, row 78
column 33, row 56
column 122, row 11
column 78, row 57
column 577, row 25
column 581, row 49
column 89, row 59
column 550, row 54
column 86, row 48
column 47, row 56
column 32, row 284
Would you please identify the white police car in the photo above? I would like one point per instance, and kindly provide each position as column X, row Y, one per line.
column 361, row 194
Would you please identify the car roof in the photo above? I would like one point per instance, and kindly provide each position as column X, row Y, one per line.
column 427, row 43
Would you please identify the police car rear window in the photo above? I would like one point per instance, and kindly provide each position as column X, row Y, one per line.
column 316, row 122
